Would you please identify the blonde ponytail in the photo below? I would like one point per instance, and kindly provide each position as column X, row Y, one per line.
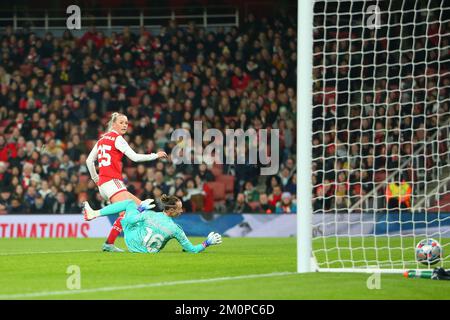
column 113, row 119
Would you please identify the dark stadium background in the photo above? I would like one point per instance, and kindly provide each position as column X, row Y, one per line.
column 70, row 129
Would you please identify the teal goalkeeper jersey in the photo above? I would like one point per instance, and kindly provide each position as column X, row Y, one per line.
column 149, row 231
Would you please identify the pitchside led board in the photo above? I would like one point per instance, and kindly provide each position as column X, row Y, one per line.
column 232, row 225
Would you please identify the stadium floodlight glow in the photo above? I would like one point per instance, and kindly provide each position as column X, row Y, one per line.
column 373, row 127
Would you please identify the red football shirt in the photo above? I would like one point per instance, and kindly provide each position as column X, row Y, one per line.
column 109, row 158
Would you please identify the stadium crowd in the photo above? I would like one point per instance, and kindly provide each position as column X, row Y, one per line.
column 379, row 97
column 57, row 93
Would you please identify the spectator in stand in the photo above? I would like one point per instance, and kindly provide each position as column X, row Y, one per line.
column 70, row 198
column 159, row 182
column 148, row 191
column 59, row 206
column 178, row 184
column 341, row 200
column 275, row 196
column 19, row 192
column 240, row 78
column 7, row 150
column 250, row 192
column 169, row 174
column 285, row 177
column 264, row 205
column 271, row 182
column 398, row 194
column 5, row 176
column 38, row 206
column 16, row 206
column 192, row 194
column 291, row 186
column 5, row 200
column 322, row 200
column 204, row 173
column 241, row 205
column 286, row 205
column 30, row 197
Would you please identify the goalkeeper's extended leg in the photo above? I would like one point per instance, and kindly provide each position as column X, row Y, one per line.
column 114, row 208
column 124, row 198
column 110, row 209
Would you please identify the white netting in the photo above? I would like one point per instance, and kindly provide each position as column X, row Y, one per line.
column 381, row 160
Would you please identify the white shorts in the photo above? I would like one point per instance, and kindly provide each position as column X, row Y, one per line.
column 111, row 188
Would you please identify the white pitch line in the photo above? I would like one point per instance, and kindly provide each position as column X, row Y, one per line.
column 139, row 286
column 43, row 252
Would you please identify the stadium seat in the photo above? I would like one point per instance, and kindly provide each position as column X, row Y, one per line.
column 216, row 171
column 197, row 202
column 227, row 181
column 218, row 190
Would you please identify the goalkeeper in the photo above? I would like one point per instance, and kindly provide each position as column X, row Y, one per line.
column 149, row 231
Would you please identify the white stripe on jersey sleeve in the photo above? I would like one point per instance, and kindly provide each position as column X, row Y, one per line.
column 122, row 145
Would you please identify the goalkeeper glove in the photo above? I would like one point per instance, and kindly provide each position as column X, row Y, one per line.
column 147, row 204
column 212, row 239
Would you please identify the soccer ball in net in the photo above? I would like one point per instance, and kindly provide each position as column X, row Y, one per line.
column 428, row 251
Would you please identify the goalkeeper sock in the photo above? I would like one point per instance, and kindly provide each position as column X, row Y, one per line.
column 115, row 231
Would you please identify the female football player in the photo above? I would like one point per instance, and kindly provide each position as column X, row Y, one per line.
column 149, row 231
column 109, row 151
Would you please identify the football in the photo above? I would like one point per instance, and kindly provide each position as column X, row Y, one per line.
column 428, row 252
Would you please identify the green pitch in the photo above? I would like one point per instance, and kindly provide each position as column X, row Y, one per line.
column 240, row 268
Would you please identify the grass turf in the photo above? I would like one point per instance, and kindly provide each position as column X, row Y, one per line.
column 30, row 266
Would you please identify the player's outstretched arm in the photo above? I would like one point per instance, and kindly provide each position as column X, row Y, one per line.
column 122, row 145
column 212, row 239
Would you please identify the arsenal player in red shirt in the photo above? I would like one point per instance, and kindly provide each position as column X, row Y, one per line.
column 108, row 151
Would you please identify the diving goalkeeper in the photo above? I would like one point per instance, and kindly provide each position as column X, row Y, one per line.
column 149, row 231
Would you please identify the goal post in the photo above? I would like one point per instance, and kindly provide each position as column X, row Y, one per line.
column 304, row 134
column 373, row 128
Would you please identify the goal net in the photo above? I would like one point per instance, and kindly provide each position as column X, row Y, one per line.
column 380, row 133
